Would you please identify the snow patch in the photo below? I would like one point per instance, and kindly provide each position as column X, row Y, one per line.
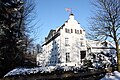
column 112, row 76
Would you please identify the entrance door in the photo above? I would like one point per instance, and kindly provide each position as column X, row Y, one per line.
column 83, row 54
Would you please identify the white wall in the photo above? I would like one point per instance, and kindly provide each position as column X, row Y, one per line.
column 75, row 40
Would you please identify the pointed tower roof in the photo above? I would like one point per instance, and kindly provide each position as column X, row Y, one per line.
column 71, row 16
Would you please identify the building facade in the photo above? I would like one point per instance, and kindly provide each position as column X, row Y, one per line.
column 98, row 49
column 66, row 46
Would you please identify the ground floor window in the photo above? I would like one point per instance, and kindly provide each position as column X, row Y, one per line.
column 83, row 54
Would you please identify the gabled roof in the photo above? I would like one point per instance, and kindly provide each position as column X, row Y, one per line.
column 100, row 44
column 51, row 33
column 61, row 27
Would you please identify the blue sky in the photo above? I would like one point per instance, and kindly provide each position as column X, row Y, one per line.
column 51, row 14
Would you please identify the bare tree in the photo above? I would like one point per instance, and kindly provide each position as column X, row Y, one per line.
column 38, row 48
column 105, row 24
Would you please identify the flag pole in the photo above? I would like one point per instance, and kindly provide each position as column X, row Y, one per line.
column 71, row 11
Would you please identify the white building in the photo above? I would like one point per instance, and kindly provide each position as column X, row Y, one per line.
column 100, row 49
column 40, row 59
column 66, row 46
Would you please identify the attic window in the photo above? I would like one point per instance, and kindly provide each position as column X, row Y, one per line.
column 67, row 30
column 80, row 31
column 75, row 31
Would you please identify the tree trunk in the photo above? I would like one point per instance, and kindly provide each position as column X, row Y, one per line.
column 118, row 56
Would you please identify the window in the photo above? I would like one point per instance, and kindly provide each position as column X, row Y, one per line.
column 67, row 30
column 83, row 54
column 80, row 31
column 82, row 44
column 66, row 41
column 71, row 31
column 81, row 39
column 75, row 31
column 67, row 57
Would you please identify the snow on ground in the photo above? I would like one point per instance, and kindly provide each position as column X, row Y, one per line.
column 27, row 71
column 112, row 76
